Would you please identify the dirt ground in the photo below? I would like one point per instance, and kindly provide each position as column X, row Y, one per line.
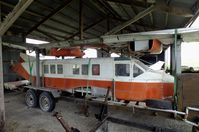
column 20, row 118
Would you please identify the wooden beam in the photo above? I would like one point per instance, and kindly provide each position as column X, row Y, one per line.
column 47, row 34
column 81, row 22
column 174, row 10
column 26, row 11
column 151, row 17
column 86, row 28
column 98, row 7
column 166, row 20
column 42, row 16
column 2, row 104
column 109, row 8
column 49, row 16
column 12, row 17
column 160, row 5
column 133, row 2
column 153, row 27
column 129, row 22
column 36, row 15
column 196, row 10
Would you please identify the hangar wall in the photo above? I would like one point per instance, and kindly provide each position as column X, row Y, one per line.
column 11, row 56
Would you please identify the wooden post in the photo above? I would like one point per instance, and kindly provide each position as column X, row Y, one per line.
column 2, row 105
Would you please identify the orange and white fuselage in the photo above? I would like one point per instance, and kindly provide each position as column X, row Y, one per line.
column 132, row 80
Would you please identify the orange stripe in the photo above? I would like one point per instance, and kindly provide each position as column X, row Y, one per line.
column 123, row 90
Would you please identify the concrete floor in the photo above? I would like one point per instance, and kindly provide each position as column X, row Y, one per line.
column 20, row 118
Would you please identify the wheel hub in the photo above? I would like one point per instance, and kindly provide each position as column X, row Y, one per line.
column 45, row 103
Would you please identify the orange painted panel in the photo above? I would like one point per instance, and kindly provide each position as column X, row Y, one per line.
column 124, row 90
column 156, row 47
column 66, row 52
column 19, row 69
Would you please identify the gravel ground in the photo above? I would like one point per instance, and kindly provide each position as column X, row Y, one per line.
column 20, row 118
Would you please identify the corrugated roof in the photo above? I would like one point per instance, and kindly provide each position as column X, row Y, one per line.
column 54, row 20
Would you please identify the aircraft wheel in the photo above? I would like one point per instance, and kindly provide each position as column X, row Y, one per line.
column 46, row 102
column 31, row 98
column 159, row 104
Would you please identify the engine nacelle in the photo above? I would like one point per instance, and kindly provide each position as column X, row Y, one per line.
column 76, row 52
column 148, row 46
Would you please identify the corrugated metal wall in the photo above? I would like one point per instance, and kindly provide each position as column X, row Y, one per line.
column 10, row 56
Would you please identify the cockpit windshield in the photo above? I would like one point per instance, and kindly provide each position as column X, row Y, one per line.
column 146, row 68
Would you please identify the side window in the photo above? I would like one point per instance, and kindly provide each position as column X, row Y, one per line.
column 85, row 69
column 76, row 69
column 136, row 71
column 122, row 70
column 95, row 69
column 46, row 69
column 52, row 69
column 59, row 69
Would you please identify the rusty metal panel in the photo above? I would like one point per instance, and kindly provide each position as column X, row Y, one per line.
column 190, row 89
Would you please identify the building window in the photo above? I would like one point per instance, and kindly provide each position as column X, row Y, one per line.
column 85, row 69
column 122, row 69
column 136, row 71
column 76, row 69
column 59, row 69
column 46, row 69
column 52, row 69
column 95, row 69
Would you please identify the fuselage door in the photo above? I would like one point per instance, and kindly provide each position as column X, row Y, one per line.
column 122, row 76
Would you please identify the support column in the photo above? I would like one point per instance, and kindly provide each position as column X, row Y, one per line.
column 179, row 87
column 38, row 83
column 172, row 59
column 2, row 105
column 176, row 72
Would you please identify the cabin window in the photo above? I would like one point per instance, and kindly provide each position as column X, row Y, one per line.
column 52, row 69
column 76, row 69
column 137, row 71
column 46, row 70
column 85, row 69
column 122, row 69
column 59, row 69
column 95, row 69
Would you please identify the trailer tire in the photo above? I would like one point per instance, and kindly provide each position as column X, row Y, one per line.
column 159, row 104
column 46, row 102
column 31, row 98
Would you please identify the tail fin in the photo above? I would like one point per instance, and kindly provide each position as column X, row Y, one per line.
column 157, row 66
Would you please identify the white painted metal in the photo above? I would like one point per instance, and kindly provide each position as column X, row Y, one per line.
column 165, row 36
column 141, row 45
column 15, row 84
column 107, row 70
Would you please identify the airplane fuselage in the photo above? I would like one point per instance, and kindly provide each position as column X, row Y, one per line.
column 132, row 80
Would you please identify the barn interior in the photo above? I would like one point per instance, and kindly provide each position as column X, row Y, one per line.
column 72, row 23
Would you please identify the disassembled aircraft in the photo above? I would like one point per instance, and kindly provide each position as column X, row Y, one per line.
column 130, row 79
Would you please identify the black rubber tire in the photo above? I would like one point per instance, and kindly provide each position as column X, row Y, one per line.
column 31, row 95
column 49, row 100
column 195, row 129
column 159, row 104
